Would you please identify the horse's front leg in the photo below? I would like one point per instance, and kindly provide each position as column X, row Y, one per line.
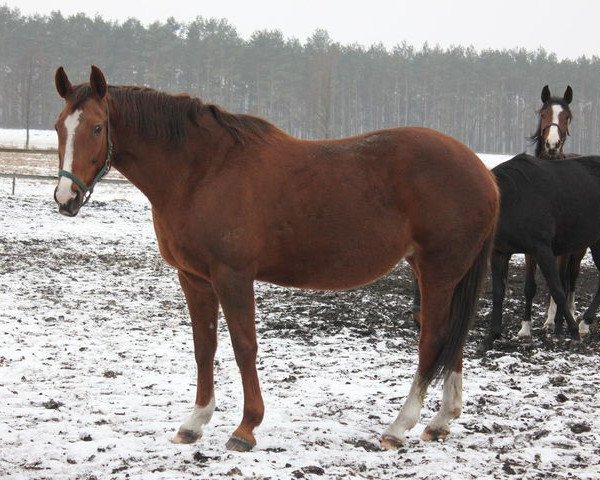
column 204, row 307
column 236, row 295
column 530, row 289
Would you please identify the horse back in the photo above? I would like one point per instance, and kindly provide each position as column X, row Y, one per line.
column 548, row 202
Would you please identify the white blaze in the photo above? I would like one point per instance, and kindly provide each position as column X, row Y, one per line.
column 64, row 192
column 553, row 132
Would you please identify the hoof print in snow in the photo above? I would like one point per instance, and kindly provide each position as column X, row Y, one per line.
column 52, row 404
column 580, row 428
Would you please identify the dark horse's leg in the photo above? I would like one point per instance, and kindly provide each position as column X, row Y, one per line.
column 203, row 307
column 569, row 266
column 235, row 290
column 547, row 263
column 499, row 262
column 573, row 269
column 530, row 289
column 588, row 316
column 416, row 305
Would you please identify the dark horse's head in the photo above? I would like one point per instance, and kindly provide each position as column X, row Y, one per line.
column 553, row 128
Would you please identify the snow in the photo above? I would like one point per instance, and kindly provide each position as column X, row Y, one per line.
column 42, row 139
column 97, row 370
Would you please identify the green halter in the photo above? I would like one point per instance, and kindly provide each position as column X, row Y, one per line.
column 87, row 190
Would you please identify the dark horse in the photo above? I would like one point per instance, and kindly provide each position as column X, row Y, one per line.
column 550, row 136
column 234, row 200
column 547, row 209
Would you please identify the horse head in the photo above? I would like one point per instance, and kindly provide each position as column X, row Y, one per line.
column 84, row 143
column 555, row 119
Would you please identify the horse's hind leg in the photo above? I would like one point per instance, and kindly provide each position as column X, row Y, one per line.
column 573, row 269
column 588, row 316
column 435, row 311
column 451, row 407
column 416, row 305
column 203, row 307
column 499, row 262
column 547, row 263
column 530, row 289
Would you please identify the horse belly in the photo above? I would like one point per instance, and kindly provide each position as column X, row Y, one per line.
column 344, row 263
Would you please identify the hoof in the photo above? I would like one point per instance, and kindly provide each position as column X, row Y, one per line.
column 558, row 329
column 525, row 331
column 584, row 329
column 486, row 344
column 238, row 444
column 433, row 434
column 186, row 436
column 548, row 326
column 389, row 442
column 524, row 334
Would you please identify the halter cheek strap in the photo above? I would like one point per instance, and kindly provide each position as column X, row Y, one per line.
column 86, row 189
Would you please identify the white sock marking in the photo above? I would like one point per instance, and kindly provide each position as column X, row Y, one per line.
column 410, row 411
column 549, row 323
column 199, row 417
column 571, row 302
column 64, row 192
column 451, row 403
column 525, row 330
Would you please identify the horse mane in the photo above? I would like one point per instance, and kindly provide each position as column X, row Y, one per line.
column 536, row 137
column 159, row 116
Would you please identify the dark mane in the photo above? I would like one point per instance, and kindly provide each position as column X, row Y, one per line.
column 158, row 116
column 536, row 138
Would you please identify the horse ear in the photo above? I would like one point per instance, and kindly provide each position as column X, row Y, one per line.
column 63, row 85
column 98, row 82
column 568, row 96
column 545, row 94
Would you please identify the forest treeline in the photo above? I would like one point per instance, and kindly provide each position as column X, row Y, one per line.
column 312, row 89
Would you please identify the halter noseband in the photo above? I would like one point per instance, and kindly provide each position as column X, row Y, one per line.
column 86, row 189
column 562, row 134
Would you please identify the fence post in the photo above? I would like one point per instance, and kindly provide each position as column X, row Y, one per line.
column 13, row 185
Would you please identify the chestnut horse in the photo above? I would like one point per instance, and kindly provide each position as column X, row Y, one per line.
column 550, row 136
column 234, row 199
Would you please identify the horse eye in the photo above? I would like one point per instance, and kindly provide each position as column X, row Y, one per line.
column 97, row 130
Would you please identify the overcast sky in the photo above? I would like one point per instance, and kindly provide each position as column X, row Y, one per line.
column 567, row 27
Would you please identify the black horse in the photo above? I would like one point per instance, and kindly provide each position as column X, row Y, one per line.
column 554, row 121
column 547, row 209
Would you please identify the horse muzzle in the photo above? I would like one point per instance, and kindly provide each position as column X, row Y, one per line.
column 71, row 207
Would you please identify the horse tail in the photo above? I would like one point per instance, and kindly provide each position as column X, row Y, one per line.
column 462, row 309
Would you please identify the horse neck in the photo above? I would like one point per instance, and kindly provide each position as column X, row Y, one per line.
column 159, row 170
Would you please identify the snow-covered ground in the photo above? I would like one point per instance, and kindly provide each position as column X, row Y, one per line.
column 37, row 138
column 97, row 369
